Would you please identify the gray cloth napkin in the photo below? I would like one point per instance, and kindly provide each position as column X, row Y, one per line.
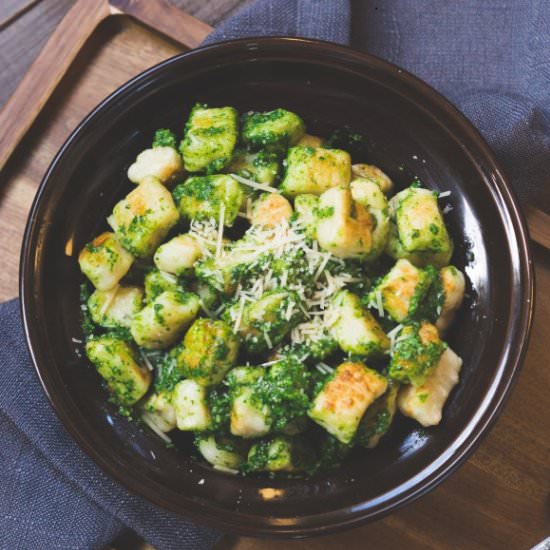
column 491, row 58
column 52, row 495
column 321, row 19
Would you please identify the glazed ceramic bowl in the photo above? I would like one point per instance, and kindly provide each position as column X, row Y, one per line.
column 412, row 132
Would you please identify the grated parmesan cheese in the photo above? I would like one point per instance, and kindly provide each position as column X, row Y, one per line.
column 206, row 234
column 260, row 245
column 393, row 335
column 146, row 361
column 269, row 363
column 107, row 304
column 219, row 240
column 205, row 309
column 254, row 184
column 237, row 324
column 148, row 419
column 168, row 277
column 379, row 302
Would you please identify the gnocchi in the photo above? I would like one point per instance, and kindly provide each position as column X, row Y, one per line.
column 265, row 289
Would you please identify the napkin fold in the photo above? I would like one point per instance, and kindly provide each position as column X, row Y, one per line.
column 52, row 495
column 492, row 59
column 321, row 19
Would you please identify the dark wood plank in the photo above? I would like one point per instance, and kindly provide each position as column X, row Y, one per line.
column 166, row 18
column 539, row 226
column 47, row 70
column 66, row 41
column 24, row 38
column 105, row 63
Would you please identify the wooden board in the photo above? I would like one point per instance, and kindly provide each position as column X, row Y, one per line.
column 499, row 499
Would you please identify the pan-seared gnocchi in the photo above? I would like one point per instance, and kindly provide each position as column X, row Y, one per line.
column 163, row 163
column 269, row 296
column 425, row 402
column 105, row 261
column 345, row 397
column 420, row 234
column 354, row 327
column 315, row 170
column 144, row 217
column 270, row 209
column 160, row 323
column 178, row 255
column 115, row 307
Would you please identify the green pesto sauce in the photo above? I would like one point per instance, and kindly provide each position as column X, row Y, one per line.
column 423, row 397
column 265, row 159
column 412, row 360
column 430, row 304
column 284, row 390
column 200, row 188
column 326, row 212
column 417, row 303
column 259, row 457
column 212, row 131
column 167, row 373
column 219, row 404
column 164, row 138
column 433, row 228
column 159, row 316
column 262, row 118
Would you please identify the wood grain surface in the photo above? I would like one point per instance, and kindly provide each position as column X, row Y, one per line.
column 499, row 499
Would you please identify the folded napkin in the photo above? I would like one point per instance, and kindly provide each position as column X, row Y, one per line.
column 492, row 59
column 53, row 495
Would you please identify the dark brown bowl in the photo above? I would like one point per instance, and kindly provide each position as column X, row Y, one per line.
column 413, row 131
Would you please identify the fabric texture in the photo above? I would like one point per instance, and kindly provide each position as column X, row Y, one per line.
column 51, row 494
column 321, row 19
column 492, row 59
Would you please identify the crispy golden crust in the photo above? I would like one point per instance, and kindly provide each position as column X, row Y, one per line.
column 271, row 210
column 428, row 333
column 350, row 386
column 399, row 291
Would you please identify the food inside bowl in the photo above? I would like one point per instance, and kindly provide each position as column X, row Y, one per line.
column 260, row 290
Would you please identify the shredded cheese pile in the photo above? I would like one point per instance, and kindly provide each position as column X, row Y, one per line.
column 206, row 234
column 395, row 336
column 255, row 185
column 258, row 249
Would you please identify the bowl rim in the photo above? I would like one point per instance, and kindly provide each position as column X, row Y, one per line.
column 476, row 428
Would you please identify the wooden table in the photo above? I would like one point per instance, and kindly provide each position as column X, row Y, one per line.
column 499, row 499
